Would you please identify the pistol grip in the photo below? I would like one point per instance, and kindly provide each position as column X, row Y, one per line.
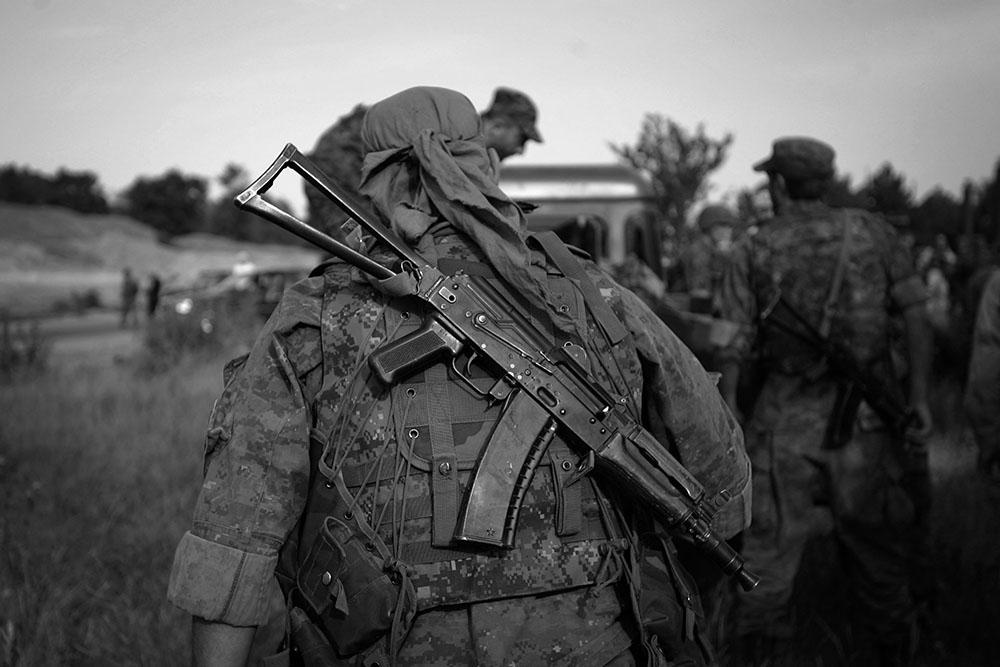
column 420, row 349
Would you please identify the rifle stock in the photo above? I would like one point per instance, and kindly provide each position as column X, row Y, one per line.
column 469, row 314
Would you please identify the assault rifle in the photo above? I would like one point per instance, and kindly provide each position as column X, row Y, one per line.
column 859, row 381
column 544, row 389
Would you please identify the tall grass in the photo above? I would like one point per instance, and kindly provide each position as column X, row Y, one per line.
column 98, row 475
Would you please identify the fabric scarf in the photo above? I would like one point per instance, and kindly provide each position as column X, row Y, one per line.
column 426, row 159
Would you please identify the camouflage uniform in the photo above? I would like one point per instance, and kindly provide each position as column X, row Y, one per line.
column 582, row 560
column 865, row 491
column 982, row 393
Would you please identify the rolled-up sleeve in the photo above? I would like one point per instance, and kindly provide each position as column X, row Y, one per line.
column 221, row 583
column 256, row 478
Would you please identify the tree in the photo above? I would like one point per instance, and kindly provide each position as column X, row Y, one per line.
column 938, row 213
column 78, row 190
column 225, row 219
column 173, row 203
column 886, row 192
column 677, row 161
column 24, row 185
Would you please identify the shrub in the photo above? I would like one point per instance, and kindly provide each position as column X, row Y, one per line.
column 23, row 349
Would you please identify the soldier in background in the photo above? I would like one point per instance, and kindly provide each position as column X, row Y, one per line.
column 839, row 269
column 510, row 122
column 338, row 153
column 127, row 298
column 705, row 257
column 153, row 287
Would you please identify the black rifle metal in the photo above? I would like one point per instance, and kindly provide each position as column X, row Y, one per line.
column 466, row 314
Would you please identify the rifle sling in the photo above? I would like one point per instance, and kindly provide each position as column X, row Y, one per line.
column 830, row 306
column 564, row 260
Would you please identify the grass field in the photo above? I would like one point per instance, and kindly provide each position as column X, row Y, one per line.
column 98, row 476
column 99, row 467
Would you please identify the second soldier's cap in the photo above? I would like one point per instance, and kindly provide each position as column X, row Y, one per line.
column 517, row 107
column 799, row 158
column 714, row 215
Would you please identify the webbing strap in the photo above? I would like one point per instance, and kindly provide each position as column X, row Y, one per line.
column 572, row 269
column 444, row 462
column 830, row 307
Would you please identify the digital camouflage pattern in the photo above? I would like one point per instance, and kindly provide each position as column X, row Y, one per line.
column 869, row 490
column 557, row 594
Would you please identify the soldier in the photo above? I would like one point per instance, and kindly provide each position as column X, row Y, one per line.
column 704, row 258
column 338, row 152
column 982, row 391
column 510, row 122
column 129, row 292
column 845, row 272
column 347, row 491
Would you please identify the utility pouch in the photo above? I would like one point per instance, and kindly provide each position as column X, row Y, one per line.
column 355, row 591
column 668, row 604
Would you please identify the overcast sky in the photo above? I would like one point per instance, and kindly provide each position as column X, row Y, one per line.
column 135, row 88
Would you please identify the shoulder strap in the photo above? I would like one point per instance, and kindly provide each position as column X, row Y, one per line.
column 566, row 262
column 830, row 306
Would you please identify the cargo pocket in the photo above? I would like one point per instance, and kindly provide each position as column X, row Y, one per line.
column 351, row 589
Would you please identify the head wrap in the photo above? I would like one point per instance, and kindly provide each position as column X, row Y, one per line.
column 425, row 160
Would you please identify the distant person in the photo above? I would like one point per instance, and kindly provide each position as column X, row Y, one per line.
column 823, row 461
column 939, row 255
column 129, row 292
column 338, row 152
column 243, row 270
column 153, row 287
column 982, row 391
column 704, row 258
column 510, row 122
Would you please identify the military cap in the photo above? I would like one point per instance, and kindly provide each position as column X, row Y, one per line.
column 716, row 214
column 799, row 158
column 516, row 107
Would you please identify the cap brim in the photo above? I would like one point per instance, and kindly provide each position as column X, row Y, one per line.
column 764, row 165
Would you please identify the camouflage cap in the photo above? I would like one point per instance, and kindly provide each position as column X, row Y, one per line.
column 517, row 107
column 716, row 214
column 799, row 158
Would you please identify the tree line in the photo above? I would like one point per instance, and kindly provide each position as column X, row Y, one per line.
column 173, row 203
column 677, row 161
